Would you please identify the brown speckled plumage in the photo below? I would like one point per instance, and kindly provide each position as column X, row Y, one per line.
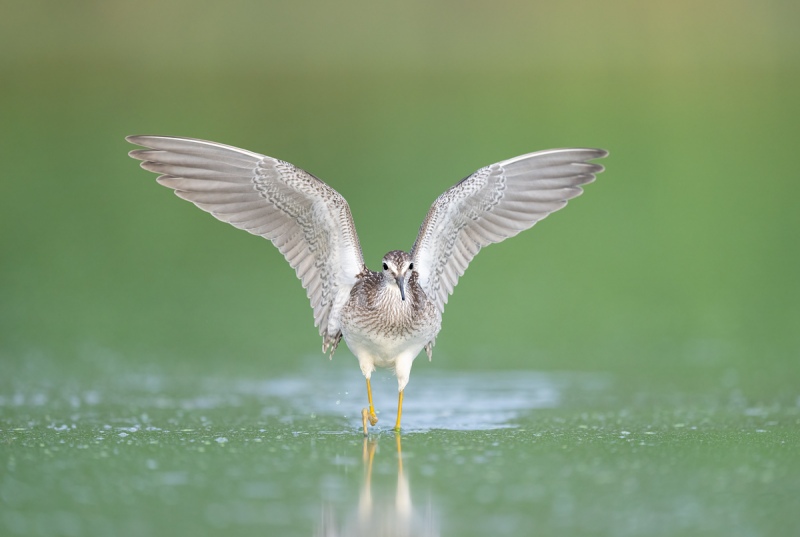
column 386, row 327
column 386, row 317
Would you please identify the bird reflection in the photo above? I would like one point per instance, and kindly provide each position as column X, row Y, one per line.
column 378, row 514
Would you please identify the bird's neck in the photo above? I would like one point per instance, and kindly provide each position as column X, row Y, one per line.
column 390, row 294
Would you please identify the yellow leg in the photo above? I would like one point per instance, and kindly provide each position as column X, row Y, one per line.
column 373, row 418
column 364, row 414
column 399, row 411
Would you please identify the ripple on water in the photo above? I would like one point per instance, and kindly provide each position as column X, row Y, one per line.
column 461, row 400
column 456, row 401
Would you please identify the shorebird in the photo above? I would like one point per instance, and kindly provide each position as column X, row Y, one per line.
column 385, row 317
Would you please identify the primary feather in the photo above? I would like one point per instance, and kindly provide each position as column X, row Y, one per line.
column 307, row 220
column 491, row 205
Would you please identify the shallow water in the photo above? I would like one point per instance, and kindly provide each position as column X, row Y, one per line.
column 482, row 453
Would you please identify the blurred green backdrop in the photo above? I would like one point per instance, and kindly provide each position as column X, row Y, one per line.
column 680, row 263
column 160, row 373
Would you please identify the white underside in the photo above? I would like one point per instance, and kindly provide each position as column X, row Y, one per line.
column 396, row 354
column 390, row 347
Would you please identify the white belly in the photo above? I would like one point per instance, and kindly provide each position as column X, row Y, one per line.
column 383, row 330
column 382, row 350
column 395, row 349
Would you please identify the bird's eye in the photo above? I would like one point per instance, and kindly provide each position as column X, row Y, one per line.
column 385, row 266
column 411, row 266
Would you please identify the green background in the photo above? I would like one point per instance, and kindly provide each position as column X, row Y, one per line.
column 671, row 284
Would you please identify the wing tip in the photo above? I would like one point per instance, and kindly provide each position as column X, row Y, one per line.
column 187, row 145
column 591, row 153
column 582, row 154
column 142, row 139
column 139, row 154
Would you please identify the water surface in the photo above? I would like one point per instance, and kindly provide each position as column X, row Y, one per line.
column 483, row 453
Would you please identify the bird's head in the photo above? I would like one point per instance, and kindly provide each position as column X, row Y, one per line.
column 397, row 265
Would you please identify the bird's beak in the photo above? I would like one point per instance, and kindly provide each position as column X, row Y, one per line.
column 401, row 283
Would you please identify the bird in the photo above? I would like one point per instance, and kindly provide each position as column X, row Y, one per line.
column 386, row 317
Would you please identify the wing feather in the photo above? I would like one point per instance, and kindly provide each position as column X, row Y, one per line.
column 308, row 221
column 202, row 185
column 491, row 205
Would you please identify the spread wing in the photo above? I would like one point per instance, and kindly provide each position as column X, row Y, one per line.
column 491, row 205
column 307, row 220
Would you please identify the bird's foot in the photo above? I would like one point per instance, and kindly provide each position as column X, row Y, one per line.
column 368, row 415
